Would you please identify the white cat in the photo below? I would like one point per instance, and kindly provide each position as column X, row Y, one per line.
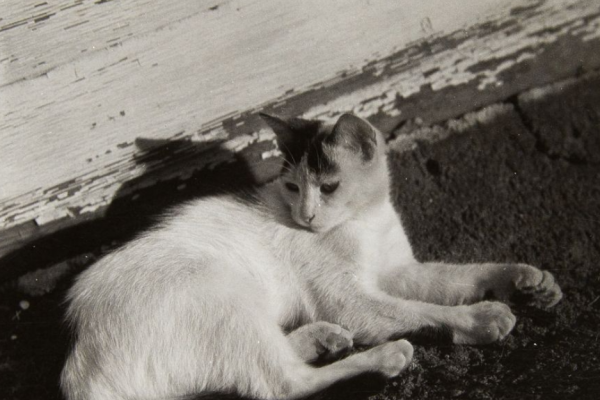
column 201, row 303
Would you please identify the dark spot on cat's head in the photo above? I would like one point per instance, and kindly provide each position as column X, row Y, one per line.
column 293, row 135
column 298, row 138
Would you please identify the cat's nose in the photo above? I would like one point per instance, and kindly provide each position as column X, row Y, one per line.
column 309, row 218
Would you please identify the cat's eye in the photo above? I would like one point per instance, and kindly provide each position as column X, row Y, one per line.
column 292, row 187
column 328, row 188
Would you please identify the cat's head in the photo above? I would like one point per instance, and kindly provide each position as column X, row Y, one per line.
column 330, row 173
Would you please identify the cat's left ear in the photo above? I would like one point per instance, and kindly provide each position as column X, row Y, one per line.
column 355, row 134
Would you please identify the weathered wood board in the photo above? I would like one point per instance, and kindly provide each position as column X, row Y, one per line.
column 81, row 82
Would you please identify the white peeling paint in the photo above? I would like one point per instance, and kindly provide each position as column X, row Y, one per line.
column 454, row 64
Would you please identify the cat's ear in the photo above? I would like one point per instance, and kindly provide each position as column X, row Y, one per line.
column 283, row 131
column 355, row 134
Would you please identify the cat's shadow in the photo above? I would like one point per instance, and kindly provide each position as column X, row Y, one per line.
column 139, row 202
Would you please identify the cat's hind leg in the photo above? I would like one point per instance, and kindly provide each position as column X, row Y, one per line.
column 388, row 359
column 279, row 372
column 320, row 338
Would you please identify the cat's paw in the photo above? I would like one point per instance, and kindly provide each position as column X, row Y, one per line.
column 537, row 286
column 321, row 339
column 393, row 357
column 482, row 323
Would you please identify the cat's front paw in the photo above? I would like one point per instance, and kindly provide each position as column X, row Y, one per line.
column 537, row 286
column 482, row 323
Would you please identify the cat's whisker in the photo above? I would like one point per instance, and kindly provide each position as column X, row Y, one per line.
column 286, row 168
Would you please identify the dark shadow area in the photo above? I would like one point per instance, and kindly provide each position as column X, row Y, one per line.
column 33, row 347
column 138, row 202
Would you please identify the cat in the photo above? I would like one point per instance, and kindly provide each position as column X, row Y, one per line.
column 242, row 295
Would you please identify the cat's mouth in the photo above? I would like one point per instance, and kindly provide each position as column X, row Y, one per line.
column 309, row 227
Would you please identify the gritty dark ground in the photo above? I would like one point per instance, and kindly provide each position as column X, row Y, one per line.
column 518, row 182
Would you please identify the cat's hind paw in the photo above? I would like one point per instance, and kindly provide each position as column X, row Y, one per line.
column 482, row 323
column 537, row 287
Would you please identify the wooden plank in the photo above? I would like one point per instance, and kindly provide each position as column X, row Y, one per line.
column 197, row 77
column 236, row 37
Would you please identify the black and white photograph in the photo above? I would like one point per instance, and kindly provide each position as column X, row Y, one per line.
column 299, row 199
